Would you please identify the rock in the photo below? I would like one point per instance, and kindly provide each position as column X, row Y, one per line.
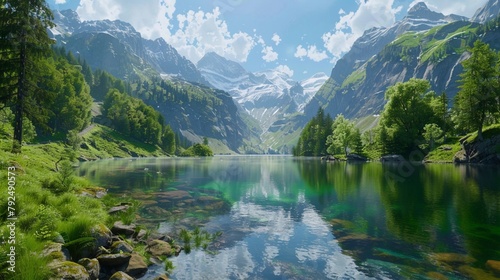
column 137, row 267
column 159, row 248
column 328, row 158
column 120, row 275
column 56, row 252
column 161, row 277
column 120, row 228
column 102, row 234
column 483, row 152
column 114, row 259
column 121, row 247
column 120, row 208
column 175, row 195
column 92, row 266
column 69, row 270
column 141, row 235
column 392, row 158
column 356, row 157
column 493, row 266
column 452, row 258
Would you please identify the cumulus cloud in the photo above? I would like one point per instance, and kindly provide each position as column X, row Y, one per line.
column 285, row 69
column 60, row 2
column 463, row 8
column 150, row 17
column 373, row 13
column 276, row 39
column 269, row 54
column 201, row 32
column 311, row 52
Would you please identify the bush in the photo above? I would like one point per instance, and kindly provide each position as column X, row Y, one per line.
column 199, row 150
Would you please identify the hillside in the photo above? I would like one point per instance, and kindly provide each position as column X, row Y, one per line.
column 383, row 57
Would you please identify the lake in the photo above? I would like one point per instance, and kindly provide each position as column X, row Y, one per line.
column 291, row 218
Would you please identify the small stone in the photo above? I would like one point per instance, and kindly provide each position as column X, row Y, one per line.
column 120, row 228
column 120, row 275
column 159, row 248
column 161, row 277
column 142, row 234
column 113, row 259
column 137, row 267
column 116, row 209
column 92, row 266
column 121, row 247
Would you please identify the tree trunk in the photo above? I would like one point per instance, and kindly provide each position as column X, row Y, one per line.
column 21, row 92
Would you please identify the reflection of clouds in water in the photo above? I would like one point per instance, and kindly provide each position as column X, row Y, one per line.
column 315, row 223
column 231, row 263
column 343, row 267
column 276, row 222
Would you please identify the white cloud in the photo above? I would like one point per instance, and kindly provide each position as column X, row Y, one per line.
column 60, row 2
column 373, row 13
column 311, row 52
column 269, row 54
column 301, row 52
column 201, row 32
column 150, row 17
column 285, row 69
column 463, row 8
column 276, row 39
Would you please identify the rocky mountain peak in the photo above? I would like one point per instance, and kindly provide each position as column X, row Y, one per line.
column 421, row 11
column 487, row 12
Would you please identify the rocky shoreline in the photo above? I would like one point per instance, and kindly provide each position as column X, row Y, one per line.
column 110, row 253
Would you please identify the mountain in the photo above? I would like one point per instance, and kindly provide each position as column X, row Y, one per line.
column 115, row 46
column 184, row 98
column 384, row 56
column 487, row 12
column 268, row 96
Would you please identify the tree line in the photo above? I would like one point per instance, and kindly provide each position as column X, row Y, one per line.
column 415, row 117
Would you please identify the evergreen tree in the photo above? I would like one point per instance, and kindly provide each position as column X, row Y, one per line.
column 23, row 39
column 479, row 90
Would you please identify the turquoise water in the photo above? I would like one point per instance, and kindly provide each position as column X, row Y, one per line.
column 287, row 218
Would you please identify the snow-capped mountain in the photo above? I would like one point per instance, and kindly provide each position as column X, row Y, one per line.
column 267, row 96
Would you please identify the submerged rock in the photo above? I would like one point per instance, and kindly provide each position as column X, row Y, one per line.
column 494, row 266
column 452, row 258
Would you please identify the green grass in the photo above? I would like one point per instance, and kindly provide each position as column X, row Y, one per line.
column 488, row 132
column 444, row 153
column 103, row 142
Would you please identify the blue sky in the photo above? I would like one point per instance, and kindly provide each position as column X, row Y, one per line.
column 300, row 37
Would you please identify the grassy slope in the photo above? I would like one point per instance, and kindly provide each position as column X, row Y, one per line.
column 44, row 212
column 447, row 151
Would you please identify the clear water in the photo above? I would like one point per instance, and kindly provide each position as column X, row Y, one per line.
column 287, row 218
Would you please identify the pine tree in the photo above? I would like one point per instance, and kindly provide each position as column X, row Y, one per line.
column 478, row 95
column 23, row 39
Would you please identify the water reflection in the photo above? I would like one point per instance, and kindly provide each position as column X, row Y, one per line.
column 302, row 219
